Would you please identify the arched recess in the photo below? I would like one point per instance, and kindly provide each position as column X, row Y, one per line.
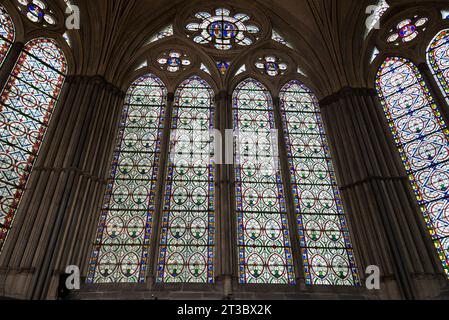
column 27, row 103
column 7, row 34
column 421, row 136
column 264, row 247
column 327, row 251
column 125, row 227
column 438, row 60
column 187, row 236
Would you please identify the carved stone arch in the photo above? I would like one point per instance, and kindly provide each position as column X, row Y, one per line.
column 204, row 76
column 397, row 16
column 196, row 55
column 142, row 72
column 247, row 76
column 430, row 36
column 412, row 51
column 380, row 59
column 62, row 44
column 290, row 56
column 304, row 80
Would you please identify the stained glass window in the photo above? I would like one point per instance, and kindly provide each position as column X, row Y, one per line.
column 275, row 36
column 241, row 70
column 445, row 14
column 126, row 220
column 26, row 105
column 7, row 34
column 143, row 64
column 173, row 61
column 37, row 11
column 164, row 33
column 222, row 30
column 204, row 68
column 323, row 232
column 407, row 30
column 265, row 253
column 271, row 66
column 188, row 222
column 438, row 58
column 223, row 66
column 374, row 55
column 422, row 139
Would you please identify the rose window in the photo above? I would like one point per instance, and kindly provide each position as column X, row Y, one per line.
column 37, row 11
column 222, row 30
column 173, row 61
column 407, row 30
column 271, row 66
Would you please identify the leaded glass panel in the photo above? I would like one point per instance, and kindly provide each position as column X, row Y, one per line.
column 327, row 252
column 26, row 106
column 265, row 253
column 121, row 249
column 421, row 136
column 187, row 241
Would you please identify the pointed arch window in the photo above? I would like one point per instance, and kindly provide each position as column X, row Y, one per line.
column 124, row 231
column 26, row 106
column 327, row 252
column 265, row 253
column 187, row 242
column 438, row 59
column 7, row 34
column 422, row 139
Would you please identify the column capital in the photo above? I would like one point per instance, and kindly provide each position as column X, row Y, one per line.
column 223, row 95
column 347, row 92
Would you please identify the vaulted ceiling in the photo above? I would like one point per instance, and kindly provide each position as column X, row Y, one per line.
column 328, row 34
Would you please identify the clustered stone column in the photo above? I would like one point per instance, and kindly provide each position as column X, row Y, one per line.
column 8, row 64
column 386, row 226
column 56, row 221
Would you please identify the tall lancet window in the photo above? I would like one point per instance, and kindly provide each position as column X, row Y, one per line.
column 187, row 240
column 7, row 34
column 422, row 139
column 265, row 253
column 126, row 221
column 438, row 59
column 327, row 253
column 26, row 106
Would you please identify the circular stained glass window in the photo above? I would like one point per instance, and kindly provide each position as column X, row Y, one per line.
column 271, row 66
column 407, row 30
column 222, row 30
column 173, row 61
column 37, row 11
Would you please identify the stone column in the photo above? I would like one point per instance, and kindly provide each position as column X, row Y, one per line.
column 386, row 226
column 56, row 220
column 226, row 227
column 10, row 62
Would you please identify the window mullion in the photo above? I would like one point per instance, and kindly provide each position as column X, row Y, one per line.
column 286, row 177
column 159, row 197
